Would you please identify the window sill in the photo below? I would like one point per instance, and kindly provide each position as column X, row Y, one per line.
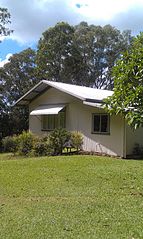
column 101, row 133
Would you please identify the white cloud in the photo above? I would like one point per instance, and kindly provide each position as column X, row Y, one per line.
column 6, row 60
column 105, row 9
column 31, row 17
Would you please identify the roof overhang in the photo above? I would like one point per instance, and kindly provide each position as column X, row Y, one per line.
column 94, row 104
column 47, row 110
column 37, row 90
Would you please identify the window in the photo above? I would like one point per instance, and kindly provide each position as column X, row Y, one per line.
column 100, row 123
column 51, row 122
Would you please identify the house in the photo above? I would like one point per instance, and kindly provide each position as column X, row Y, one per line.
column 79, row 108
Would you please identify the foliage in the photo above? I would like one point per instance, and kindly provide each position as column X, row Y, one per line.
column 57, row 139
column 10, row 144
column 54, row 53
column 4, row 31
column 77, row 140
column 13, row 121
column 128, row 85
column 42, row 147
column 98, row 48
column 17, row 77
column 4, row 21
column 71, row 197
column 82, row 55
column 26, row 143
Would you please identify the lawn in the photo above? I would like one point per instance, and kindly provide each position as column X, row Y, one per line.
column 71, row 197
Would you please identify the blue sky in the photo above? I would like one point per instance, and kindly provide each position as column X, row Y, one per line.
column 10, row 46
column 32, row 17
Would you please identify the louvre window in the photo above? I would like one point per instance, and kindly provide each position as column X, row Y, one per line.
column 51, row 122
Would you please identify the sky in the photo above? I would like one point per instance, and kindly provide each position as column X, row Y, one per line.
column 30, row 18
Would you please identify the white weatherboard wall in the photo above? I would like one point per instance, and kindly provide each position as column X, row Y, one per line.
column 133, row 137
column 79, row 117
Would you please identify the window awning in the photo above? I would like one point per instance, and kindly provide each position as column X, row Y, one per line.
column 47, row 110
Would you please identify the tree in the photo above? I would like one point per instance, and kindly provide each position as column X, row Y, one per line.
column 4, row 31
column 4, row 20
column 17, row 77
column 82, row 55
column 128, row 85
column 99, row 48
column 54, row 53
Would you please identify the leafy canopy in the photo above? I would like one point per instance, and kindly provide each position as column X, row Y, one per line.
column 17, row 77
column 4, row 21
column 128, row 85
column 4, row 31
column 83, row 54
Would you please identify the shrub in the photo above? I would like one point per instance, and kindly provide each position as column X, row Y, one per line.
column 76, row 140
column 1, row 148
column 10, row 144
column 57, row 139
column 26, row 143
column 42, row 147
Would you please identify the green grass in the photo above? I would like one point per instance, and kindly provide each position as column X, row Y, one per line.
column 71, row 197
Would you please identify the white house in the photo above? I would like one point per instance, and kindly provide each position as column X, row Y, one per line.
column 79, row 108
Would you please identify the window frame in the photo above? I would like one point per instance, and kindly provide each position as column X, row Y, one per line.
column 108, row 124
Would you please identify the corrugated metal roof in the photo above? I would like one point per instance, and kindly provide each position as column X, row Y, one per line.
column 81, row 92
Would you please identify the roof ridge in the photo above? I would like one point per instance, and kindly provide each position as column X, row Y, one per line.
column 82, row 86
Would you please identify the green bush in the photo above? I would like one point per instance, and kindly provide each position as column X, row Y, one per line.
column 57, row 139
column 1, row 146
column 42, row 147
column 26, row 143
column 76, row 140
column 10, row 144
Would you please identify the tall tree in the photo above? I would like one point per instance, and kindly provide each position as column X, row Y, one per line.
column 54, row 53
column 128, row 85
column 83, row 54
column 18, row 76
column 4, row 31
column 99, row 48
